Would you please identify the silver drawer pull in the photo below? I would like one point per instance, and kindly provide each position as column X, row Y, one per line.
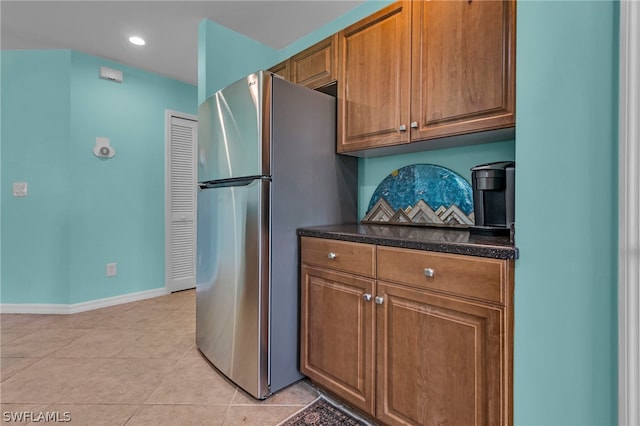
column 379, row 300
column 429, row 272
column 331, row 255
column 366, row 297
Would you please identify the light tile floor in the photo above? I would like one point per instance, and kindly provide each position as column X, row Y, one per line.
column 132, row 364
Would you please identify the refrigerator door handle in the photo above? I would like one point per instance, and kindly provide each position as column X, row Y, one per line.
column 223, row 183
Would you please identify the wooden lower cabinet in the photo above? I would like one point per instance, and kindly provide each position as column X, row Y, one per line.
column 336, row 346
column 438, row 359
column 407, row 346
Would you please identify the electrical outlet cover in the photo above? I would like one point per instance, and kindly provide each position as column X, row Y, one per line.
column 112, row 269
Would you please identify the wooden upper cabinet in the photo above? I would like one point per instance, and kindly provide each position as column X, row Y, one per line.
column 316, row 66
column 463, row 69
column 282, row 69
column 417, row 71
column 373, row 80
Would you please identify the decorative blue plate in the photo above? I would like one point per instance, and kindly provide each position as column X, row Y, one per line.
column 422, row 194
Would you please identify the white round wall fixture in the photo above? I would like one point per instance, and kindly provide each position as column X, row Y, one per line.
column 103, row 148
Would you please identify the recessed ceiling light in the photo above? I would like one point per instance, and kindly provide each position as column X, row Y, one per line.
column 138, row 41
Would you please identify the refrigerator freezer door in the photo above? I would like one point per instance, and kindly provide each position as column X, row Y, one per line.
column 232, row 123
column 232, row 284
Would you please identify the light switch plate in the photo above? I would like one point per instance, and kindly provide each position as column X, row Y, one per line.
column 20, row 189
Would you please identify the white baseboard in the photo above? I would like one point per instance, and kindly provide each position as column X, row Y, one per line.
column 34, row 308
column 45, row 308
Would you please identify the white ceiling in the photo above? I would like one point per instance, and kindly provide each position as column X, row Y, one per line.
column 102, row 28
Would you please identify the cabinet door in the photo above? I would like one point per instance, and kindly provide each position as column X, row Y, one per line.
column 374, row 77
column 439, row 359
column 336, row 345
column 316, row 66
column 463, row 70
column 282, row 69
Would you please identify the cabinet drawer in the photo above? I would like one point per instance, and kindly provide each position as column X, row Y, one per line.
column 339, row 255
column 467, row 276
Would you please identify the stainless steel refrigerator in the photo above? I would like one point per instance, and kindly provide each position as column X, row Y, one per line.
column 266, row 166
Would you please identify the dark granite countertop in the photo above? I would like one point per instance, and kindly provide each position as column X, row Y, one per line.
column 443, row 240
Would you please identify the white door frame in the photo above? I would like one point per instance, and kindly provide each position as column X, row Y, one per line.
column 629, row 217
column 169, row 114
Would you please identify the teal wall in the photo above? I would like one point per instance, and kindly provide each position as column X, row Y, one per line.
column 35, row 149
column 82, row 212
column 224, row 56
column 566, row 214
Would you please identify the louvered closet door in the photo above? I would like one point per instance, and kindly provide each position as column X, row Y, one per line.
column 181, row 205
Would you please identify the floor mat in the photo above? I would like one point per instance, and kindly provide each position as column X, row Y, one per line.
column 321, row 413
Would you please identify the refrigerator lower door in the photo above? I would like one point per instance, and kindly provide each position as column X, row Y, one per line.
column 232, row 283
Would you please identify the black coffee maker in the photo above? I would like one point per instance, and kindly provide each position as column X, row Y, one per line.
column 494, row 198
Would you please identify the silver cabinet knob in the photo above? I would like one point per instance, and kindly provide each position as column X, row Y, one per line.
column 379, row 300
column 366, row 297
column 402, row 128
column 331, row 255
column 429, row 272
column 414, row 124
